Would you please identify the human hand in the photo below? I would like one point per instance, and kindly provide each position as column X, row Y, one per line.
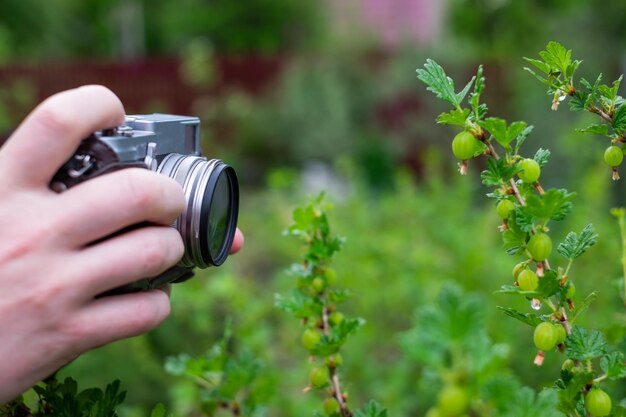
column 50, row 268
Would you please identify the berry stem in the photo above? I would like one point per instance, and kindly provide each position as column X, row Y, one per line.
column 622, row 228
column 334, row 375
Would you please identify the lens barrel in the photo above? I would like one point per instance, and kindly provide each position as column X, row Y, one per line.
column 209, row 219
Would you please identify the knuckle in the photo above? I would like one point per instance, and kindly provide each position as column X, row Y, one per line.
column 149, row 314
column 155, row 252
column 56, row 118
column 143, row 192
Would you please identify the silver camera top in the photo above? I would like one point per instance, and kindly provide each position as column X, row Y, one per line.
column 170, row 133
column 142, row 141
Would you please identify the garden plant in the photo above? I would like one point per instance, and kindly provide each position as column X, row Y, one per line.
column 589, row 364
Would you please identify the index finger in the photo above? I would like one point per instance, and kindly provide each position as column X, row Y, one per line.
column 53, row 131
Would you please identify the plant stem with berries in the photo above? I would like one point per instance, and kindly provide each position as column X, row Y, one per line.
column 314, row 301
column 526, row 210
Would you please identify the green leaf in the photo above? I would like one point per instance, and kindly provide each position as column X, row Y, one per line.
column 614, row 365
column 454, row 117
column 542, row 156
column 440, row 84
column 474, row 98
column 573, row 246
column 619, row 119
column 548, row 285
column 521, row 138
column 526, row 404
column 158, row 411
column 498, row 172
column 595, row 129
column 610, row 93
column 557, row 58
column 524, row 219
column 528, row 318
column 570, row 390
column 371, row 409
column 554, row 204
column 583, row 344
column 542, row 66
column 332, row 344
column 457, row 319
column 579, row 101
column 503, row 133
column 514, row 239
column 300, row 305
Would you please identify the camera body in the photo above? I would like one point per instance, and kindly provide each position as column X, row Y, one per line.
column 169, row 145
column 142, row 141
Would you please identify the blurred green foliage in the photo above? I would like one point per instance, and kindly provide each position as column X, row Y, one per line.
column 70, row 28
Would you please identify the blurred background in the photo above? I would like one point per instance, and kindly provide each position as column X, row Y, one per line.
column 307, row 96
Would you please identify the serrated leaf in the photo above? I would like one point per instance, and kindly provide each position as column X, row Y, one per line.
column 619, row 119
column 583, row 344
column 371, row 409
column 542, row 66
column 548, row 285
column 595, row 129
column 573, row 246
column 554, row 204
column 454, row 117
column 579, row 101
column 556, row 57
column 570, row 392
column 460, row 96
column 526, row 403
column 524, row 219
column 542, row 156
column 498, row 172
column 521, row 138
column 503, row 133
column 614, row 365
column 514, row 239
column 528, row 318
column 610, row 93
column 474, row 98
column 332, row 344
column 434, row 76
column 298, row 304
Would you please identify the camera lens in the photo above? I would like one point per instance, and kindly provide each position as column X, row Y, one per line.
column 209, row 219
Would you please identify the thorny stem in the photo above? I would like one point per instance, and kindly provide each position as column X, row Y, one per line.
column 622, row 227
column 601, row 113
column 334, row 376
column 492, row 151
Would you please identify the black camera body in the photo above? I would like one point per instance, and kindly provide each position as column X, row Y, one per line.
column 169, row 145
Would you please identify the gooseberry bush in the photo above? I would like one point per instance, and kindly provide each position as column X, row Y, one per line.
column 527, row 211
column 315, row 303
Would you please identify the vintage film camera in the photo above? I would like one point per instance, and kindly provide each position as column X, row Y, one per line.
column 169, row 145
